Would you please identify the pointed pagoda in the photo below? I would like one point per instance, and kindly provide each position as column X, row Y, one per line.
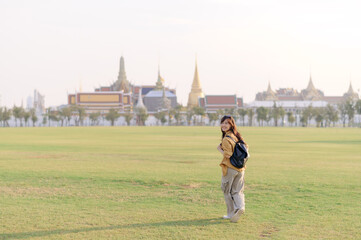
column 268, row 95
column 140, row 104
column 351, row 94
column 311, row 93
column 165, row 102
column 159, row 85
column 122, row 83
column 196, row 91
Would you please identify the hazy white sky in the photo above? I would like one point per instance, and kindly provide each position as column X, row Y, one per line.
column 53, row 45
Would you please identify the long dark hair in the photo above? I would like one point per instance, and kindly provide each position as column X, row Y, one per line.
column 233, row 128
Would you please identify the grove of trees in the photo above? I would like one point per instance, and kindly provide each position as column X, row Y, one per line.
column 345, row 114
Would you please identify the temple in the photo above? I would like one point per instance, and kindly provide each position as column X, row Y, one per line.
column 293, row 101
column 309, row 94
column 123, row 96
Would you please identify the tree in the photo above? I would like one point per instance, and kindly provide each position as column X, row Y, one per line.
column 331, row 114
column 290, row 118
column 53, row 116
column 242, row 113
column 45, row 119
column 33, row 116
column 319, row 116
column 220, row 113
column 5, row 115
column 307, row 115
column 358, row 107
column 262, row 113
column 18, row 113
column 250, row 114
column 128, row 116
column 177, row 113
column 160, row 116
column 112, row 116
column 26, row 116
column 343, row 113
column 282, row 113
column 303, row 121
column 190, row 114
column 212, row 118
column 79, row 114
column 350, row 111
column 275, row 113
column 65, row 114
column 94, row 118
column 142, row 116
column 199, row 111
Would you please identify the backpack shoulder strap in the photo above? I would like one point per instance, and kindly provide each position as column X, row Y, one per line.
column 234, row 140
column 231, row 138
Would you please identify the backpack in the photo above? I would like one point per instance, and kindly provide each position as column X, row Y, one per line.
column 240, row 154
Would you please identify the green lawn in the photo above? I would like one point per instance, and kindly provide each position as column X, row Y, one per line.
column 164, row 183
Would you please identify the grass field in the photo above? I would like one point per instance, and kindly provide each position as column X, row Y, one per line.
column 164, row 183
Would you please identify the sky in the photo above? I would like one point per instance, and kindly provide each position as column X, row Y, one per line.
column 58, row 47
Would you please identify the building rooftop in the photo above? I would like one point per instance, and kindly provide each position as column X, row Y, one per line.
column 159, row 93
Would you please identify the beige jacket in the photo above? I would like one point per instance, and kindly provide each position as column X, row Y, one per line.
column 227, row 146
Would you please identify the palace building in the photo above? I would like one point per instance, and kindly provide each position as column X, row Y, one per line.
column 292, row 100
column 123, row 96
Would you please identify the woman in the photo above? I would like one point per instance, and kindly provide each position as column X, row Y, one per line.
column 232, row 177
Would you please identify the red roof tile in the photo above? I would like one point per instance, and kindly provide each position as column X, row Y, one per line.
column 221, row 99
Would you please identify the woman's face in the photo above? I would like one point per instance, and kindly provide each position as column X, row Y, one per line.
column 225, row 126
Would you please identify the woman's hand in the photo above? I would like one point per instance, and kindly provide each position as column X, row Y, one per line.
column 219, row 148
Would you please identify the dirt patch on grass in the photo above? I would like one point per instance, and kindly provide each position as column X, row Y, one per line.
column 268, row 231
column 32, row 191
column 192, row 185
column 186, row 186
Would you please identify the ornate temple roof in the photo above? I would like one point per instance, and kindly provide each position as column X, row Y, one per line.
column 311, row 93
column 351, row 94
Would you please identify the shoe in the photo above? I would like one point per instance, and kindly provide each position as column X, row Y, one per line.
column 237, row 215
column 226, row 217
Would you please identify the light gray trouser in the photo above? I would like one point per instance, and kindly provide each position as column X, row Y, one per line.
column 233, row 186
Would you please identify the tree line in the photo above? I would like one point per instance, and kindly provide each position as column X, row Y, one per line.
column 275, row 116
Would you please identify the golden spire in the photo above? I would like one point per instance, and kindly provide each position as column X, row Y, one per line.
column 196, row 91
column 269, row 89
column 310, row 86
column 160, row 82
column 196, row 83
column 350, row 89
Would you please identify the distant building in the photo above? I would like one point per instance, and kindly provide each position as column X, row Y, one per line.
column 101, row 101
column 213, row 103
column 309, row 94
column 124, row 96
column 29, row 102
column 293, row 101
column 39, row 103
column 210, row 103
column 158, row 100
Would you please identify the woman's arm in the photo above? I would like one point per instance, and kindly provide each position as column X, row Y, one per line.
column 219, row 148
